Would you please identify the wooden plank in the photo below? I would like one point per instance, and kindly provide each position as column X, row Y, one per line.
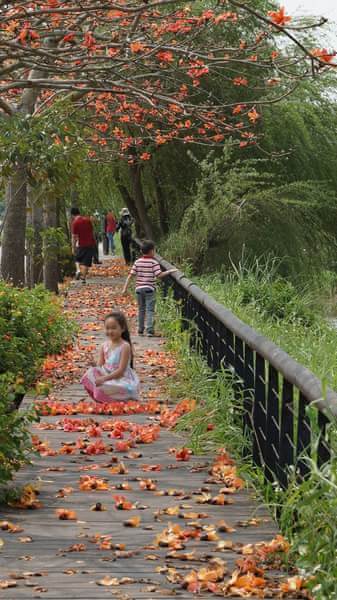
column 47, row 552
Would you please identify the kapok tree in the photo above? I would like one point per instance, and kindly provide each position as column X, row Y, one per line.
column 146, row 69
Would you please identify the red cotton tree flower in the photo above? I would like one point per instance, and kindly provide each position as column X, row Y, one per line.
column 146, row 73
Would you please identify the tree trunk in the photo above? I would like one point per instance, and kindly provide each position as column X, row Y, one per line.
column 138, row 197
column 29, row 242
column 58, row 225
column 161, row 204
column 38, row 246
column 14, row 232
column 50, row 246
column 34, row 264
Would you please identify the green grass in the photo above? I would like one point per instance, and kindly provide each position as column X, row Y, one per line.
column 292, row 319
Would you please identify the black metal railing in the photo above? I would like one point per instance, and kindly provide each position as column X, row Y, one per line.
column 286, row 410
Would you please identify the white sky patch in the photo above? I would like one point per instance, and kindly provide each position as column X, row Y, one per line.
column 325, row 8
column 317, row 8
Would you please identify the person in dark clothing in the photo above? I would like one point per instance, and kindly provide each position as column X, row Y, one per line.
column 104, row 236
column 95, row 224
column 124, row 225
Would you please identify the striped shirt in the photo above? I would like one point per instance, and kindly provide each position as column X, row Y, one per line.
column 146, row 269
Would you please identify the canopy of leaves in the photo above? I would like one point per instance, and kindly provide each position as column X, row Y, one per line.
column 240, row 204
column 153, row 72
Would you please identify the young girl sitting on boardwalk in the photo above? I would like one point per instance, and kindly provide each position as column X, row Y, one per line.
column 114, row 378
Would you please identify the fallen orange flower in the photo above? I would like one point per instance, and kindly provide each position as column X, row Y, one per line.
column 119, row 469
column 121, row 503
column 133, row 522
column 67, row 449
column 151, row 467
column 248, row 582
column 183, row 454
column 293, row 584
column 10, row 527
column 89, row 483
column 95, row 448
column 147, row 484
column 123, row 445
column 66, row 515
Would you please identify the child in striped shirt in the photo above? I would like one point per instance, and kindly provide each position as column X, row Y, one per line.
column 146, row 270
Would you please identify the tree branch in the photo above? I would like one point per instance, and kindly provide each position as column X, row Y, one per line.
column 7, row 107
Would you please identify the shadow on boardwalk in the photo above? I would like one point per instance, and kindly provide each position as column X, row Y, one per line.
column 96, row 555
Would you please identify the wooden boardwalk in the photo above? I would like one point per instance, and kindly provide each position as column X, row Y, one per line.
column 97, row 555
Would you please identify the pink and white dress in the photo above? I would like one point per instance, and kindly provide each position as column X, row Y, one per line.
column 124, row 388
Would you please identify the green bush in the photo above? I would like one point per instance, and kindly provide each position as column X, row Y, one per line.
column 259, row 285
column 14, row 432
column 238, row 204
column 308, row 514
column 31, row 327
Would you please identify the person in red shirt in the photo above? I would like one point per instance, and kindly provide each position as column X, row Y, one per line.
column 83, row 243
column 110, row 230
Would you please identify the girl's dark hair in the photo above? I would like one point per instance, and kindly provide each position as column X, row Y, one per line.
column 122, row 321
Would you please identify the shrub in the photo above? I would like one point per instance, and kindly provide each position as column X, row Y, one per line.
column 14, row 432
column 308, row 515
column 239, row 203
column 31, row 326
column 259, row 285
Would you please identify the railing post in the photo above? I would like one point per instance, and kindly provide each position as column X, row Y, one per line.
column 248, row 378
column 323, row 450
column 272, row 450
column 303, row 437
column 239, row 362
column 287, row 432
column 217, row 345
column 259, row 412
column 230, row 357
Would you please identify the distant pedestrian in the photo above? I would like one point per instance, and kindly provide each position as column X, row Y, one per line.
column 83, row 243
column 110, row 230
column 95, row 224
column 146, row 270
column 104, row 235
column 124, row 225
